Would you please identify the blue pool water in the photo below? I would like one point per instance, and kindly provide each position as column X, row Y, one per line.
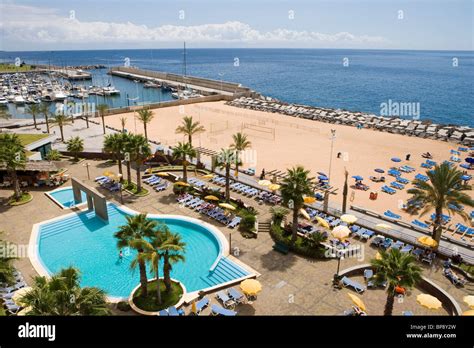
column 87, row 243
column 65, row 196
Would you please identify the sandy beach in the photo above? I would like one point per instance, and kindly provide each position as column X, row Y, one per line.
column 281, row 142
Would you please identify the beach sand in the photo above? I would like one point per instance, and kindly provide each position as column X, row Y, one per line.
column 281, row 142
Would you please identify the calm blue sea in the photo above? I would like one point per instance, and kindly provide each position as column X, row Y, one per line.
column 308, row 76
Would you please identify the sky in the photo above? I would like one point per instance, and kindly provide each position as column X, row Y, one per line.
column 37, row 25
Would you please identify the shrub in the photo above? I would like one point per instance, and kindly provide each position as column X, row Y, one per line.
column 247, row 224
column 278, row 213
column 302, row 246
column 123, row 306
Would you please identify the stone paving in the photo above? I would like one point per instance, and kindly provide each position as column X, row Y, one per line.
column 291, row 284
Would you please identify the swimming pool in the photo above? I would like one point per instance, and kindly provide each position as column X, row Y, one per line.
column 87, row 242
column 65, row 197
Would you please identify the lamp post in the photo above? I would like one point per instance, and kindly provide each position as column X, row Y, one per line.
column 87, row 167
column 333, row 137
column 339, row 256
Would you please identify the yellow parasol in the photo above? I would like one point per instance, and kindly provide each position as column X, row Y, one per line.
column 471, row 312
column 251, row 287
column 322, row 222
column 309, row 199
column 348, row 218
column 19, row 294
column 341, row 232
column 193, row 307
column 208, row 176
column 357, row 301
column 378, row 256
column 24, row 311
column 227, row 206
column 305, row 214
column 383, row 226
column 264, row 182
column 428, row 301
column 428, row 241
column 469, row 300
column 163, row 174
column 211, row 198
column 108, row 173
column 181, row 183
column 274, row 187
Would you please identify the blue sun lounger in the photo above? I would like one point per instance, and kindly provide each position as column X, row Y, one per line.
column 397, row 245
column 418, row 223
column 421, row 177
column 225, row 299
column 388, row 190
column 392, row 215
column 426, row 166
column 99, row 178
column 163, row 313
column 387, row 243
column 397, row 185
column 218, row 310
column 202, row 304
column 367, row 234
column 174, row 312
column 346, row 282
column 236, row 295
column 402, row 180
column 407, row 249
column 394, row 172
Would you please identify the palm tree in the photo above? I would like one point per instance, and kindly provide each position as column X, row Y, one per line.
column 172, row 251
column 33, row 110
column 44, row 109
column 145, row 115
column 102, row 109
column 123, row 122
column 6, row 266
column 224, row 160
column 444, row 191
column 240, row 144
column 397, row 269
column 132, row 235
column 127, row 150
column 115, row 144
column 62, row 295
column 345, row 191
column 182, row 151
column 140, row 151
column 53, row 155
column 75, row 145
column 190, row 128
column 61, row 121
column 13, row 157
column 293, row 189
column 152, row 255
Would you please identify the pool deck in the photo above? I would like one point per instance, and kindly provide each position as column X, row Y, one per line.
column 292, row 285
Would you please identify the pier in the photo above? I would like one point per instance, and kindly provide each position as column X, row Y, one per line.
column 202, row 85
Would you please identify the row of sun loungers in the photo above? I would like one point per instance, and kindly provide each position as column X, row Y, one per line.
column 7, row 292
column 157, row 183
column 108, row 183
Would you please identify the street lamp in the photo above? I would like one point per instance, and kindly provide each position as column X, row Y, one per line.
column 87, row 166
column 340, row 256
column 333, row 137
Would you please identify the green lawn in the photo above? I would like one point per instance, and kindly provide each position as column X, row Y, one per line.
column 12, row 68
column 25, row 197
column 167, row 299
column 27, row 139
column 132, row 187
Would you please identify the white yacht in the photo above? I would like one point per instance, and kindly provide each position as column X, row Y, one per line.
column 19, row 100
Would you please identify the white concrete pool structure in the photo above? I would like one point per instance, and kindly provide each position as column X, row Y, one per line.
column 224, row 251
column 62, row 206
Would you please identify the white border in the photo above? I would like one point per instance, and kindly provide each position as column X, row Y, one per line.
column 33, row 249
column 59, row 203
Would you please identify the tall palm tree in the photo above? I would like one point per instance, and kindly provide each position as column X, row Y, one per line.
column 115, row 144
column 75, row 145
column 397, row 269
column 123, row 122
column 224, row 160
column 33, row 110
column 44, row 109
column 172, row 250
column 294, row 187
column 132, row 235
column 102, row 109
column 140, row 151
column 183, row 151
column 345, row 191
column 13, row 157
column 61, row 120
column 62, row 295
column 145, row 115
column 444, row 191
column 189, row 128
column 241, row 143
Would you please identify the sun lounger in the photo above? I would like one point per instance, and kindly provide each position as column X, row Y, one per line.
column 163, row 313
column 367, row 234
column 347, row 282
column 453, row 277
column 202, row 304
column 13, row 308
column 426, row 166
column 388, row 190
column 428, row 259
column 407, row 313
column 392, row 215
column 174, row 312
column 236, row 295
column 419, row 224
column 421, row 177
column 387, row 243
column 377, row 240
column 394, row 172
column 407, row 249
column 397, row 245
column 403, row 180
column 235, row 221
column 218, row 310
column 100, row 178
column 397, row 185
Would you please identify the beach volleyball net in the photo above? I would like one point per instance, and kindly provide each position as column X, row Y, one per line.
column 218, row 127
column 259, row 130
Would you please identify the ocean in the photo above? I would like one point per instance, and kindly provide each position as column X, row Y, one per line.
column 439, row 83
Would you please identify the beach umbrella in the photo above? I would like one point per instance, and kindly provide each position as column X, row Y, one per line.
column 428, row 241
column 208, row 176
column 322, row 222
column 428, row 301
column 305, row 214
column 309, row 200
column 470, row 160
column 378, row 256
column 264, row 182
column 251, row 287
column 274, row 187
column 25, row 311
column 341, row 232
column 211, row 198
column 348, row 218
column 470, row 312
column 466, row 177
column 469, row 300
column 323, row 177
column 357, row 301
column 379, row 170
column 227, row 206
column 163, row 174
column 181, row 183
column 358, row 177
column 193, row 307
column 383, row 226
column 19, row 294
